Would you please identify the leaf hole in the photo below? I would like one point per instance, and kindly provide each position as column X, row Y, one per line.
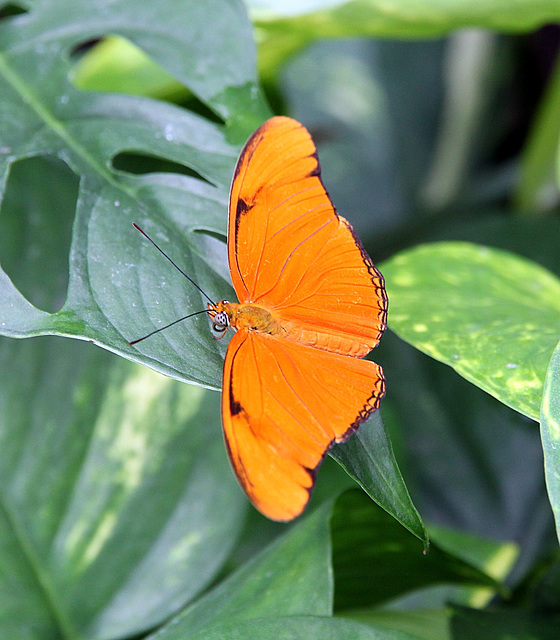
column 81, row 49
column 138, row 163
column 114, row 64
column 11, row 9
column 213, row 247
column 36, row 219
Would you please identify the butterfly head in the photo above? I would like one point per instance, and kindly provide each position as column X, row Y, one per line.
column 220, row 317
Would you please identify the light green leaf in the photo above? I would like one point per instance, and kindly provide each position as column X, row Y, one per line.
column 285, row 33
column 538, row 162
column 550, row 434
column 494, row 558
column 115, row 64
column 428, row 624
column 493, row 316
column 406, row 18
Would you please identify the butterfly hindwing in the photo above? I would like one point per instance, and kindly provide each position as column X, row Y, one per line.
column 283, row 406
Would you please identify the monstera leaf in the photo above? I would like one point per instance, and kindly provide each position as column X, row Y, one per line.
column 117, row 284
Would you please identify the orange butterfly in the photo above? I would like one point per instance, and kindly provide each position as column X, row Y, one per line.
column 311, row 305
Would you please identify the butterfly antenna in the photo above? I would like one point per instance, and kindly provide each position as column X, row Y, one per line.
column 178, row 269
column 196, row 313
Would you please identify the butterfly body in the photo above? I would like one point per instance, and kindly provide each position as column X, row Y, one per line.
column 246, row 316
column 256, row 318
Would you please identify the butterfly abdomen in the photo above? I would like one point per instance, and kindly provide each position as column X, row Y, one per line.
column 327, row 342
column 261, row 320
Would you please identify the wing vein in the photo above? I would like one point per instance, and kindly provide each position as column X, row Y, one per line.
column 294, row 392
column 297, row 218
column 307, row 238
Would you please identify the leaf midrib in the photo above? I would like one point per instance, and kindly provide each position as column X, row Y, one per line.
column 31, row 99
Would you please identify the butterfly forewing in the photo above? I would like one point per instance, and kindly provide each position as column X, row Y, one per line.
column 290, row 251
column 264, row 204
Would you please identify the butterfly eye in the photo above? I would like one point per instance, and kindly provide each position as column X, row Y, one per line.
column 221, row 322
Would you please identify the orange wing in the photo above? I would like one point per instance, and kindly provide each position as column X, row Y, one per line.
column 290, row 251
column 283, row 406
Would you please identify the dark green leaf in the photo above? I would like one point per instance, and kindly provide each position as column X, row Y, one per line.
column 368, row 457
column 296, row 628
column 292, row 577
column 471, row 463
column 117, row 288
column 545, row 590
column 504, row 624
column 376, row 560
column 117, row 504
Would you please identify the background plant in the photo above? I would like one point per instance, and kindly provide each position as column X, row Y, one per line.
column 119, row 515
